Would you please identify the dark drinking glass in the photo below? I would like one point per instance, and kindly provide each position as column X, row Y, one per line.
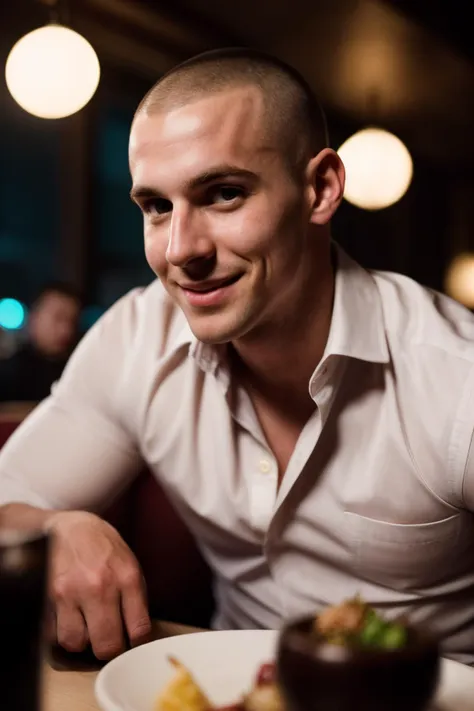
column 23, row 581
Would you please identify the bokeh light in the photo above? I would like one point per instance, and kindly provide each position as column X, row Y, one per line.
column 378, row 166
column 12, row 314
column 459, row 282
column 52, row 72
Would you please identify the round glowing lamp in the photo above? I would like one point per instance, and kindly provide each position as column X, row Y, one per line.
column 378, row 166
column 52, row 72
column 459, row 282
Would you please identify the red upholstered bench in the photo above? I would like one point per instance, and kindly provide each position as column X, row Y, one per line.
column 7, row 427
column 178, row 579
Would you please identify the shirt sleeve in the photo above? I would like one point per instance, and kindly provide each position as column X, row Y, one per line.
column 468, row 479
column 461, row 455
column 73, row 451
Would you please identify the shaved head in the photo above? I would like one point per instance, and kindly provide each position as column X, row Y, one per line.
column 292, row 114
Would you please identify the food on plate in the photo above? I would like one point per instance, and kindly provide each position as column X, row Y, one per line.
column 264, row 695
column 354, row 623
column 182, row 693
column 351, row 623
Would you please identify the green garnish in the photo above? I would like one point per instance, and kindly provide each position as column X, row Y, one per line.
column 354, row 623
column 395, row 637
column 379, row 633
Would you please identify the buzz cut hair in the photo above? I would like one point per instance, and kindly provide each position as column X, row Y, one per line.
column 292, row 112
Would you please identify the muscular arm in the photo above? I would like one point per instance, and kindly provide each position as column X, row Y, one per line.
column 66, row 462
column 73, row 451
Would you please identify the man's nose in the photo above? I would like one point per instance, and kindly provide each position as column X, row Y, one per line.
column 188, row 240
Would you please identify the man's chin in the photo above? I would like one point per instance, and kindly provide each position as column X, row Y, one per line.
column 213, row 338
column 213, row 334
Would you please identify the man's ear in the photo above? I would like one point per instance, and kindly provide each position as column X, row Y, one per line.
column 325, row 179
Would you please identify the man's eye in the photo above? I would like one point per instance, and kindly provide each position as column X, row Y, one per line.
column 227, row 193
column 157, row 206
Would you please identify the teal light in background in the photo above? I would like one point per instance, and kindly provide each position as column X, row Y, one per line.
column 90, row 314
column 12, row 314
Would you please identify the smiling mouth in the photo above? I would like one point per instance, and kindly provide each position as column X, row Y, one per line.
column 214, row 287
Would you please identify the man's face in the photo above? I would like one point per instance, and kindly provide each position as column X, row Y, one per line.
column 226, row 224
column 54, row 323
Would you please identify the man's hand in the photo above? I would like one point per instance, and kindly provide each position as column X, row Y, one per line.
column 96, row 585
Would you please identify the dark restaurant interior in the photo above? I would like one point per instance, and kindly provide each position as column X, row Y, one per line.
column 406, row 67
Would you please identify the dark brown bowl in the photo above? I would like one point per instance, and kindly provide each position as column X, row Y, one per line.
column 317, row 676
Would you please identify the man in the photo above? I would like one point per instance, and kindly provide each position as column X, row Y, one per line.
column 311, row 421
column 29, row 373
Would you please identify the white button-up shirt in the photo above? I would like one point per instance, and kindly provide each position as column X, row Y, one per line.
column 377, row 496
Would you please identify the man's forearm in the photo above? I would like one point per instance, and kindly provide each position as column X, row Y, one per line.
column 24, row 517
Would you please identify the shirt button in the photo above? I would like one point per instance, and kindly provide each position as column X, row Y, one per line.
column 265, row 466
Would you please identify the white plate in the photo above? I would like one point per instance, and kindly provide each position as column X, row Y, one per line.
column 225, row 664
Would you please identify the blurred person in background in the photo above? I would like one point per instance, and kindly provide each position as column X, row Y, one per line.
column 52, row 330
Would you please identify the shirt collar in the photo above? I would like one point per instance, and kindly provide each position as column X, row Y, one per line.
column 357, row 323
column 206, row 356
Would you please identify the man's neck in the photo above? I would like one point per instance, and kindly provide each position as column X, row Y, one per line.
column 280, row 360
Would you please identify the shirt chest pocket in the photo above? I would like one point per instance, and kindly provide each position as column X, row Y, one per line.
column 404, row 557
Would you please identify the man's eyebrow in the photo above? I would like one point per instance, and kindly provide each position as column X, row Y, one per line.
column 221, row 172
column 142, row 191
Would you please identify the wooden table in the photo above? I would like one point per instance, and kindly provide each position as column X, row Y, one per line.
column 74, row 690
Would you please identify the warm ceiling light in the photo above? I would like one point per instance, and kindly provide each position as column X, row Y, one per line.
column 459, row 282
column 379, row 168
column 52, row 72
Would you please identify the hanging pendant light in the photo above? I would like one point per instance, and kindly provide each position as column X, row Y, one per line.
column 459, row 280
column 378, row 166
column 53, row 71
